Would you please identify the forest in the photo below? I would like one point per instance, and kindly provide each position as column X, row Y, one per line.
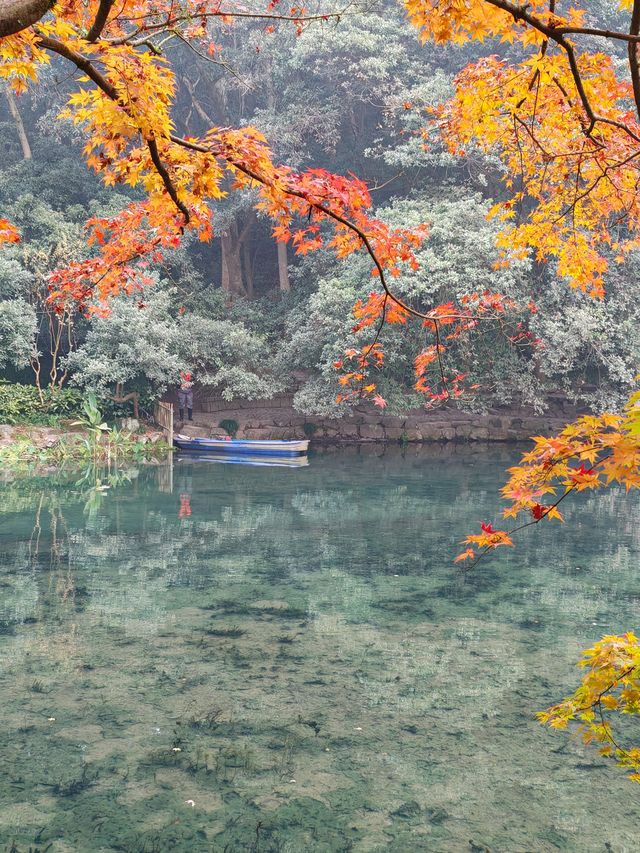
column 250, row 315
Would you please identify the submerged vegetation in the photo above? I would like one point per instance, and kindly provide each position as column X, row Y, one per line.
column 197, row 677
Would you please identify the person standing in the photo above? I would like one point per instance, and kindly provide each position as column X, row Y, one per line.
column 185, row 394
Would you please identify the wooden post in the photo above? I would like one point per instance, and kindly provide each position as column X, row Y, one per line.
column 163, row 416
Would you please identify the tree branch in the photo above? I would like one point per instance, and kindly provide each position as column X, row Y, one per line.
column 100, row 80
column 17, row 15
column 152, row 145
column 632, row 50
column 100, row 20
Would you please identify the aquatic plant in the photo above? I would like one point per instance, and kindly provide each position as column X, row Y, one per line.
column 72, row 787
column 232, row 633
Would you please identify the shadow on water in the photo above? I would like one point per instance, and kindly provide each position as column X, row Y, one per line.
column 217, row 658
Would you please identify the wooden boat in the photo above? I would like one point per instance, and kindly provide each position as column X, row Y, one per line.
column 239, row 446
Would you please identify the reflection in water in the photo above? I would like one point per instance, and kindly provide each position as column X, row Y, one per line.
column 258, row 659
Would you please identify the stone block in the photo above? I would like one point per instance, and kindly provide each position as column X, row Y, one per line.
column 280, row 434
column 446, row 434
column 256, row 434
column 477, row 433
column 372, row 432
column 394, row 433
column 193, row 431
column 347, row 431
column 391, row 421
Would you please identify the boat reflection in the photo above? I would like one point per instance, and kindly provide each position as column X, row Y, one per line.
column 243, row 459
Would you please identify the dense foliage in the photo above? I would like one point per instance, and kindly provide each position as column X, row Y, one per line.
column 25, row 404
column 245, row 317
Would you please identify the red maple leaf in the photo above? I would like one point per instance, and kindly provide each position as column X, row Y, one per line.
column 538, row 511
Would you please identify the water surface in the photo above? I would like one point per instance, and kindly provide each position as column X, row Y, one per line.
column 222, row 658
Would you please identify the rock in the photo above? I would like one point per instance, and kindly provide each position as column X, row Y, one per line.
column 257, row 434
column 436, row 815
column 478, row 433
column 193, row 431
column 372, row 432
column 395, row 433
column 407, row 811
column 217, row 432
column 129, row 424
column 448, row 434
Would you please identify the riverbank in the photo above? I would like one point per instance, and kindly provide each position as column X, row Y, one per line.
column 25, row 445
column 276, row 418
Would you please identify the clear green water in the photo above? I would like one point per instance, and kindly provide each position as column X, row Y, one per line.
column 298, row 666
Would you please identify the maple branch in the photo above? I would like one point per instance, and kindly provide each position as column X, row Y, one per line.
column 632, row 49
column 101, row 81
column 152, row 145
column 100, row 20
column 331, row 214
column 80, row 62
column 557, row 35
column 222, row 13
column 171, row 22
column 518, row 528
column 604, row 692
column 548, row 510
column 17, row 15
column 604, row 175
column 595, row 31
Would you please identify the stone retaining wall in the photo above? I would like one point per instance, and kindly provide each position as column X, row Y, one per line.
column 276, row 418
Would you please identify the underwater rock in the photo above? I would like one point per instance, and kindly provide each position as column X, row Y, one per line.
column 436, row 815
column 407, row 810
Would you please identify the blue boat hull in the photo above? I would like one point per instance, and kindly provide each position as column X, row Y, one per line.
column 239, row 447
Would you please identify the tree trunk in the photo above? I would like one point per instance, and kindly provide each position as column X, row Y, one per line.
column 283, row 269
column 247, row 263
column 232, row 281
column 17, row 15
column 22, row 134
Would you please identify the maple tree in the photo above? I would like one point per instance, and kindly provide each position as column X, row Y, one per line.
column 564, row 120
column 562, row 117
column 126, row 116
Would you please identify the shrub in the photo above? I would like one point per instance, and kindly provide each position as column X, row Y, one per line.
column 230, row 426
column 23, row 404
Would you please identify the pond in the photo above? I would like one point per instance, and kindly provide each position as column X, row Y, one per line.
column 208, row 657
